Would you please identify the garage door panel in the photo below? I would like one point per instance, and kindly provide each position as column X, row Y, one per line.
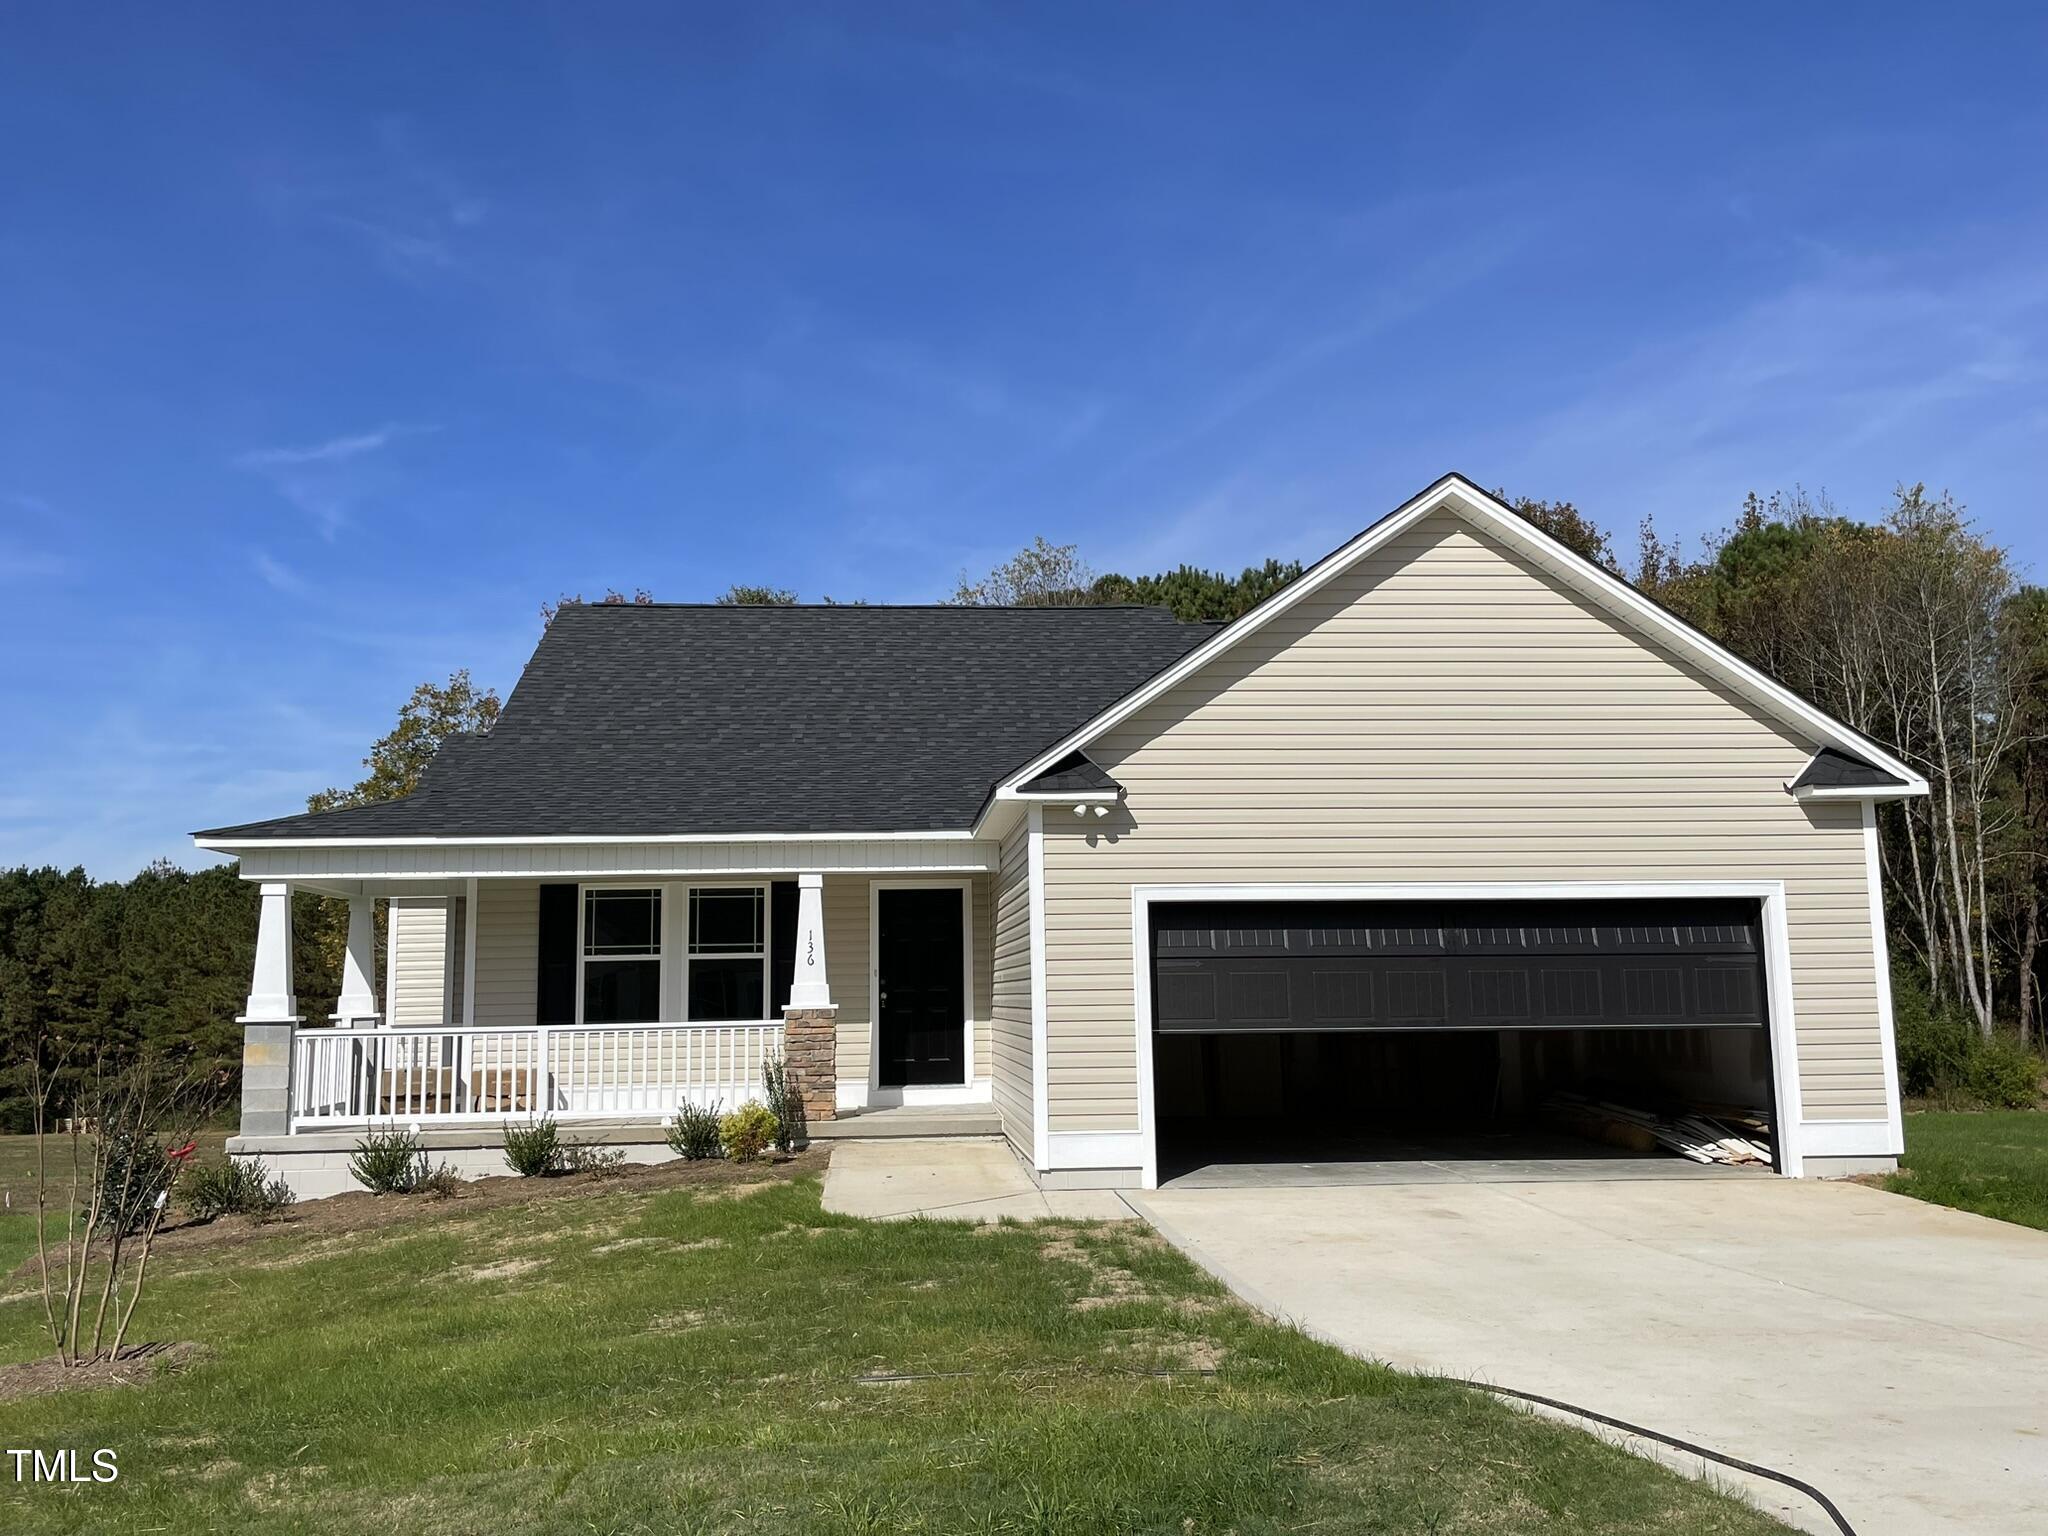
column 1246, row 966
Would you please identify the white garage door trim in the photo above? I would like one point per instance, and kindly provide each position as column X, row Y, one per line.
column 1777, row 964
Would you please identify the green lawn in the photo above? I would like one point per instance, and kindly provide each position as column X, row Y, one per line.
column 633, row 1361
column 1994, row 1163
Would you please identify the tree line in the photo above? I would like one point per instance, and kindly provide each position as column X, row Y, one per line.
column 1912, row 627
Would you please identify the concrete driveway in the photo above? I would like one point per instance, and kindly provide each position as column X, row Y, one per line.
column 1892, row 1353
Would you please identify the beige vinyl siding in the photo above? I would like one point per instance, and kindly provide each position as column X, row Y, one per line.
column 1010, row 1012
column 1447, row 711
column 418, row 961
column 507, row 951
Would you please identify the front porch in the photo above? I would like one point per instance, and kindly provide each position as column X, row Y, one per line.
column 608, row 1003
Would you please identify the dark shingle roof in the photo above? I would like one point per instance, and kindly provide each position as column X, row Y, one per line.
column 651, row 720
column 1077, row 772
column 1831, row 769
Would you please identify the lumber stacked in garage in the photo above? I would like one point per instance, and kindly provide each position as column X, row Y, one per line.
column 1733, row 1136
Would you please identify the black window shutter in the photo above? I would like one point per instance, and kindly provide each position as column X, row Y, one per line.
column 782, row 942
column 556, row 1003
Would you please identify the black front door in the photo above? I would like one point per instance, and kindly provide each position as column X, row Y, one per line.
column 921, row 986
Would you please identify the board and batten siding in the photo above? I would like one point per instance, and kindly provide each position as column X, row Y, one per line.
column 1447, row 711
column 1010, row 1011
column 418, row 961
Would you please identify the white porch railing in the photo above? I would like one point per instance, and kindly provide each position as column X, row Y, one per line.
column 456, row 1075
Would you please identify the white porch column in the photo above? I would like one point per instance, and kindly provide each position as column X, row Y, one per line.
column 810, row 1022
column 808, row 986
column 270, row 1019
column 271, row 999
column 358, row 1002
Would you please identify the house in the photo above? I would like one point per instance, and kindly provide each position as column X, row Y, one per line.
column 1454, row 822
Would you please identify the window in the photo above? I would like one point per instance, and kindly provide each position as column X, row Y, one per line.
column 728, row 953
column 621, row 956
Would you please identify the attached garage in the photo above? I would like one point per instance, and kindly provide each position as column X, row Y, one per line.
column 1456, row 835
column 1334, row 1029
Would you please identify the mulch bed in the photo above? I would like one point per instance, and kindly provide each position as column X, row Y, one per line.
column 137, row 1363
column 365, row 1212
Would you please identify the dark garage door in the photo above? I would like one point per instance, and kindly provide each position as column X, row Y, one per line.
column 1247, row 967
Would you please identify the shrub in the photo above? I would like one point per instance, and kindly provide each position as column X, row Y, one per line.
column 784, row 1094
column 693, row 1133
column 2003, row 1074
column 390, row 1163
column 1935, row 1039
column 235, row 1189
column 746, row 1132
column 136, row 1169
column 583, row 1157
column 442, row 1182
column 1943, row 1056
column 533, row 1150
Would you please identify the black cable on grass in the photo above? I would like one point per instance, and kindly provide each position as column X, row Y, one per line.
column 897, row 1378
column 1841, row 1520
column 894, row 1378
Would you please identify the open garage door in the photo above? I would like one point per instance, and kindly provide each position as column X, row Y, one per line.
column 1242, row 966
column 1309, row 1032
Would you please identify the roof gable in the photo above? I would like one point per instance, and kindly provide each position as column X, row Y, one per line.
column 1459, row 497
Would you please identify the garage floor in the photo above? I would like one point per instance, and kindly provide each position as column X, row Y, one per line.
column 1291, row 1160
column 1891, row 1352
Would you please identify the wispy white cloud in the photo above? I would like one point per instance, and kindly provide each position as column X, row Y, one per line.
column 400, row 252
column 1856, row 377
column 279, row 576
column 329, row 479
column 334, row 451
column 408, row 208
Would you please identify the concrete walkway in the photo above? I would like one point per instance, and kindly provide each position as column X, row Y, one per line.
column 955, row 1179
column 1892, row 1353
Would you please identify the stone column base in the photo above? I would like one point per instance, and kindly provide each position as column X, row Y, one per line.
column 267, row 1076
column 810, row 1045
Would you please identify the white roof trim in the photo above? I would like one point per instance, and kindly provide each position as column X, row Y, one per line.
column 1469, row 501
column 229, row 844
column 1857, row 792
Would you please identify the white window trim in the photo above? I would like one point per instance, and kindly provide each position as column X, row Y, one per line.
column 1791, row 1130
column 769, row 1012
column 661, row 945
column 970, row 1089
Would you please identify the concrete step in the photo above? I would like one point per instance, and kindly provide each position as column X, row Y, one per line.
column 918, row 1120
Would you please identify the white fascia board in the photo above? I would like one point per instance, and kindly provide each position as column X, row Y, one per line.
column 1469, row 501
column 1870, row 792
column 1068, row 797
column 230, row 845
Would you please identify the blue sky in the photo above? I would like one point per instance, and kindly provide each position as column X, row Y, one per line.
column 334, row 340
